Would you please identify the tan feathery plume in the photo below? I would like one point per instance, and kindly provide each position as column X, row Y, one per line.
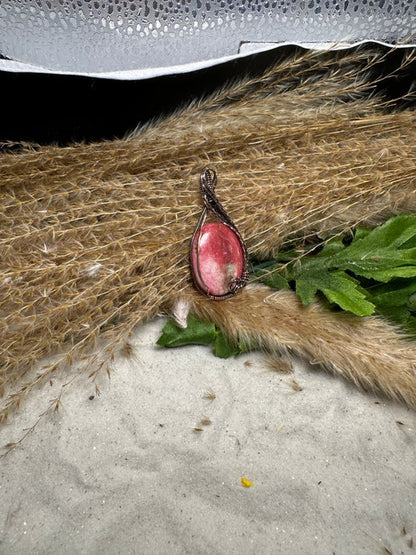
column 367, row 351
column 94, row 239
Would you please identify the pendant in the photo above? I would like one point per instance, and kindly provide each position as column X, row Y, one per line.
column 218, row 259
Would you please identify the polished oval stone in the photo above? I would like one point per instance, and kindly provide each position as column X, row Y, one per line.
column 217, row 259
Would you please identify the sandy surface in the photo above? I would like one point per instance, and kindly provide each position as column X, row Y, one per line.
column 125, row 472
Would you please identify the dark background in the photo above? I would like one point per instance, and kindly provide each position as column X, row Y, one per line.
column 58, row 109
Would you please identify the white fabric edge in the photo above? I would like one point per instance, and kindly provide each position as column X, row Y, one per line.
column 246, row 49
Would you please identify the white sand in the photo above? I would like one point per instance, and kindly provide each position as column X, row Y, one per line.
column 332, row 471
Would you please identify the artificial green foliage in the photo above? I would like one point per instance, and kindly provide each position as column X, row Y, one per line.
column 396, row 301
column 199, row 332
column 224, row 347
column 374, row 273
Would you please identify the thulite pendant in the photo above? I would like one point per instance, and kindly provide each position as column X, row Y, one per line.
column 218, row 254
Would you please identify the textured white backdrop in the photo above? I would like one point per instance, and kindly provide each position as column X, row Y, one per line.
column 143, row 38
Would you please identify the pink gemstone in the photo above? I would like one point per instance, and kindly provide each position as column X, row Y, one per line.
column 217, row 259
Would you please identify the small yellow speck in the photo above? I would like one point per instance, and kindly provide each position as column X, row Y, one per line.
column 246, row 483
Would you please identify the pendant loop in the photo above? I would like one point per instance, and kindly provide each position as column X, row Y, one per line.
column 218, row 259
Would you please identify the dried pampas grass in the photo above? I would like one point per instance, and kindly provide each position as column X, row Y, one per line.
column 95, row 237
column 366, row 351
